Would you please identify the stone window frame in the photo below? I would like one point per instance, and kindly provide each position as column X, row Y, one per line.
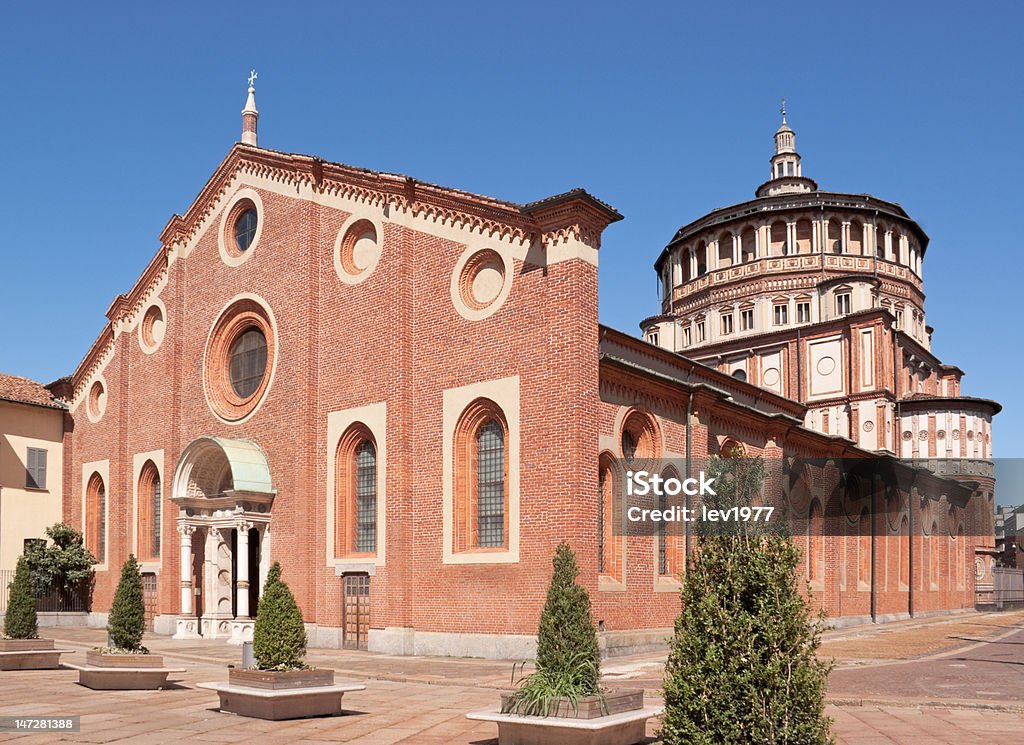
column 149, row 534
column 96, row 399
column 477, row 254
column 139, row 541
column 464, row 410
column 611, row 563
column 148, row 342
column 351, row 230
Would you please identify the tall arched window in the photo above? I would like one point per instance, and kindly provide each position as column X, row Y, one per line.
column 609, row 544
column 935, row 560
column 670, row 542
column 96, row 517
column 481, row 478
column 149, row 511
column 815, row 543
column 864, row 548
column 355, row 487
column 961, row 558
column 904, row 551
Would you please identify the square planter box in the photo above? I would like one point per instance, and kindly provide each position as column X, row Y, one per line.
column 291, row 694
column 29, row 654
column 591, row 707
column 274, row 680
column 625, row 725
column 99, row 658
column 123, row 672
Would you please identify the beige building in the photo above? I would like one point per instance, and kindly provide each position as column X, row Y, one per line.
column 31, row 464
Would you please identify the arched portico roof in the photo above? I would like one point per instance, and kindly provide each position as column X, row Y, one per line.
column 209, row 464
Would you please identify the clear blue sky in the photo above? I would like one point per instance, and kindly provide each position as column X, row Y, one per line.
column 113, row 118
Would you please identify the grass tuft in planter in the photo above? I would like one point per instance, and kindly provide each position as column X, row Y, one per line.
column 568, row 665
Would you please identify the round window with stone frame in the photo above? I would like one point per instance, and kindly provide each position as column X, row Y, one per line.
column 152, row 329
column 239, row 360
column 97, row 401
column 482, row 279
column 241, row 227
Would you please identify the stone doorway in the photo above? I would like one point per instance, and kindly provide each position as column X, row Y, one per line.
column 224, row 495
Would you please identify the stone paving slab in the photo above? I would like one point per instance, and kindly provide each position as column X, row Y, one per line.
column 423, row 701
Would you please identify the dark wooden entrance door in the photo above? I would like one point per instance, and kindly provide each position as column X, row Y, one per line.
column 149, row 598
column 355, row 610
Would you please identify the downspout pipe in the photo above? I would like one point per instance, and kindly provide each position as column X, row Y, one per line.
column 689, row 469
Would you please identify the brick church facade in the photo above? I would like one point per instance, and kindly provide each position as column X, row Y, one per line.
column 402, row 393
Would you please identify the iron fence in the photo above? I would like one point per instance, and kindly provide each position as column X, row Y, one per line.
column 51, row 601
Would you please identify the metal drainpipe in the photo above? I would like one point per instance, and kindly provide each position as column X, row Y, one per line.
column 910, row 546
column 874, row 550
column 689, row 473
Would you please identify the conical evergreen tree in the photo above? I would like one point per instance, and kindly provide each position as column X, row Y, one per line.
column 567, row 629
column 568, row 662
column 279, row 637
column 20, row 620
column 742, row 668
column 128, row 613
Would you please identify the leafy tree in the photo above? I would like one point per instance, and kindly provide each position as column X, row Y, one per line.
column 742, row 668
column 20, row 619
column 568, row 659
column 128, row 613
column 279, row 637
column 65, row 564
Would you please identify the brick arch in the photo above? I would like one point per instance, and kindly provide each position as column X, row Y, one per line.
column 477, row 523
column 609, row 553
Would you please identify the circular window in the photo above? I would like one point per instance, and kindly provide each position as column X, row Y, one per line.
column 970, row 435
column 239, row 359
column 941, row 434
column 151, row 331
column 241, row 227
column 907, row 434
column 245, row 229
column 97, row 402
column 481, row 282
column 740, row 375
column 482, row 278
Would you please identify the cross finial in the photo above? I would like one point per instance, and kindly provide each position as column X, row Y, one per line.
column 782, row 110
column 252, row 77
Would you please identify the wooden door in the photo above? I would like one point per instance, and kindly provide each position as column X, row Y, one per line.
column 356, row 610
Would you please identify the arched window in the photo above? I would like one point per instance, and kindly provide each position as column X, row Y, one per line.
column 803, row 236
column 96, row 517
column 724, row 250
column 355, row 486
column 855, row 244
column 904, row 551
column 149, row 511
column 834, row 237
column 748, row 244
column 864, row 548
column 777, row 235
column 609, row 541
column 481, row 478
column 815, row 543
column 670, row 542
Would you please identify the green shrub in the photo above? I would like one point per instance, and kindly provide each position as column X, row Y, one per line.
column 128, row 613
column 20, row 619
column 63, row 564
column 568, row 659
column 742, row 668
column 279, row 638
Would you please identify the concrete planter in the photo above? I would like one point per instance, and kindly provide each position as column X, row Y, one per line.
column 99, row 658
column 592, row 707
column 104, row 671
column 29, row 654
column 276, row 695
column 587, row 724
column 276, row 680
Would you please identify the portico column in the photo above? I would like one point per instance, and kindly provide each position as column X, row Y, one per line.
column 242, row 564
column 186, row 531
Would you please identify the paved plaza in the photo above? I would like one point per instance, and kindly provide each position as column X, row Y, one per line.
column 954, row 681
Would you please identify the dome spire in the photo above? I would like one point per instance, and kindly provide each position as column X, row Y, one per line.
column 786, row 172
column 249, row 113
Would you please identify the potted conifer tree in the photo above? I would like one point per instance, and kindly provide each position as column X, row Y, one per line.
column 20, row 646
column 280, row 685
column 562, row 701
column 125, row 663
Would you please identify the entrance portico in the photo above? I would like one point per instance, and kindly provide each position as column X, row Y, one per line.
column 224, row 495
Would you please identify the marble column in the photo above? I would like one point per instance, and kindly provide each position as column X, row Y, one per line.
column 242, row 567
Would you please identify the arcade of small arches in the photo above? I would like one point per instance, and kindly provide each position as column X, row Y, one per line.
column 796, row 235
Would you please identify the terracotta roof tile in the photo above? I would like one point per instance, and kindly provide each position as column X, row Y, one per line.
column 25, row 391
